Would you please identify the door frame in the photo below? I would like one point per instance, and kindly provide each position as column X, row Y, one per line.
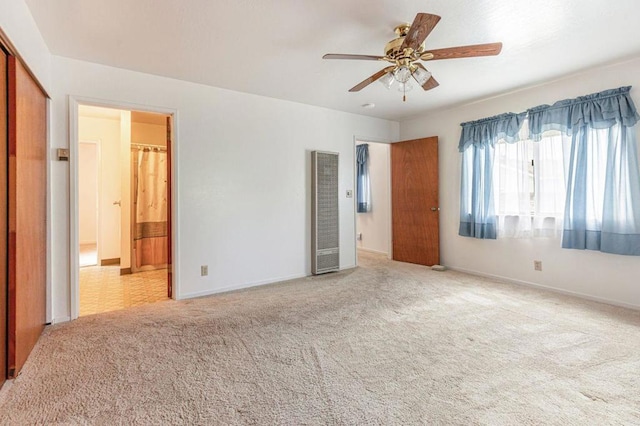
column 74, row 267
column 364, row 139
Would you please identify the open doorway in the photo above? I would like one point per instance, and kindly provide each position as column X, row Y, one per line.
column 123, row 209
column 373, row 198
column 397, row 201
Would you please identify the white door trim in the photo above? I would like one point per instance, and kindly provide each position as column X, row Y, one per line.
column 74, row 267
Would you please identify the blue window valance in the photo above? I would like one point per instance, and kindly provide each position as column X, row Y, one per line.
column 488, row 131
column 597, row 111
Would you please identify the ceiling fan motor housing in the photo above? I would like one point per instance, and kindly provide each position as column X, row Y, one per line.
column 393, row 49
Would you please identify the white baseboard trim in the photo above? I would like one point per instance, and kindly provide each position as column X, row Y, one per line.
column 60, row 319
column 373, row 251
column 238, row 287
column 249, row 285
column 548, row 288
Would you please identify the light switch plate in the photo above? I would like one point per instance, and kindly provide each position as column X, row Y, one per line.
column 63, row 154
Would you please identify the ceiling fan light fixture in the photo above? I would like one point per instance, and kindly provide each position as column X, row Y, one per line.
column 387, row 80
column 402, row 74
column 421, row 75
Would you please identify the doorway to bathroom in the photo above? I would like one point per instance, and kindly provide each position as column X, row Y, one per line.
column 124, row 208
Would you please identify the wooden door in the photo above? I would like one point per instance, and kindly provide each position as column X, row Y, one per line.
column 3, row 216
column 414, row 201
column 27, row 214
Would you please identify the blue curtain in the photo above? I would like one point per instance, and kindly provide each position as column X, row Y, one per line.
column 477, row 215
column 363, row 184
column 603, row 188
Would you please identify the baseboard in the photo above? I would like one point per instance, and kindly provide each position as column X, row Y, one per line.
column 548, row 288
column 239, row 287
column 125, row 271
column 373, row 251
column 60, row 319
column 109, row 262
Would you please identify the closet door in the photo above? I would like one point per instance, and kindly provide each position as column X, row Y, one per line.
column 3, row 216
column 27, row 214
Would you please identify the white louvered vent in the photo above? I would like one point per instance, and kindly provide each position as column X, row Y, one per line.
column 325, row 235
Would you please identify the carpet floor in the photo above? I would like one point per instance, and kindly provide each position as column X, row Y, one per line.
column 386, row 343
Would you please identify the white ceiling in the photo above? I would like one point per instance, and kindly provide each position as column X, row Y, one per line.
column 274, row 47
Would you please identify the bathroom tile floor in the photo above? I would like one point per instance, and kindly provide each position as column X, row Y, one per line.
column 103, row 289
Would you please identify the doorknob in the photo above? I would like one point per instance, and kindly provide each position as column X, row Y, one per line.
column 117, row 203
column 433, row 209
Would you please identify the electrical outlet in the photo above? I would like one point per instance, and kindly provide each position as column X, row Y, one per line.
column 537, row 265
column 204, row 270
column 349, row 193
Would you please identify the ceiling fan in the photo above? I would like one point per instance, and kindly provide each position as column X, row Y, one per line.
column 405, row 52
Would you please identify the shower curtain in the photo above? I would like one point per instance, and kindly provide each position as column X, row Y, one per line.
column 150, row 234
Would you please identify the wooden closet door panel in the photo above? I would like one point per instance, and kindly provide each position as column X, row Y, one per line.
column 3, row 216
column 27, row 214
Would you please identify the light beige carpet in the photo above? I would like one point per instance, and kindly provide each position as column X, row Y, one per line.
column 387, row 343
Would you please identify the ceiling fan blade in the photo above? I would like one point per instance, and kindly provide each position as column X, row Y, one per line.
column 359, row 57
column 364, row 83
column 431, row 83
column 420, row 29
column 489, row 49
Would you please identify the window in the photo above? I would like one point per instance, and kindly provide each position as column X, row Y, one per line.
column 520, row 179
column 363, row 181
column 529, row 183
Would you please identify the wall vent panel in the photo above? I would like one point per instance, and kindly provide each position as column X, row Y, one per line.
column 325, row 231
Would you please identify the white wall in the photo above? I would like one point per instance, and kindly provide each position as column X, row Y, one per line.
column 88, row 193
column 107, row 132
column 243, row 176
column 375, row 225
column 598, row 275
